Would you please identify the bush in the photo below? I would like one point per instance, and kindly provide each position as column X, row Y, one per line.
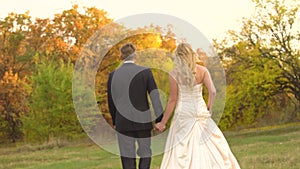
column 52, row 114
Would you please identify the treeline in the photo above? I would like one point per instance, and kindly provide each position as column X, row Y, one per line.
column 38, row 56
column 36, row 66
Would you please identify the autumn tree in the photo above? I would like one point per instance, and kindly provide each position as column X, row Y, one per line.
column 67, row 32
column 14, row 66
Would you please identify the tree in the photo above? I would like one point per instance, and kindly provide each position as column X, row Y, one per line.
column 275, row 33
column 14, row 66
column 262, row 62
column 67, row 32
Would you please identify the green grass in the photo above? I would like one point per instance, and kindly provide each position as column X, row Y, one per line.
column 272, row 147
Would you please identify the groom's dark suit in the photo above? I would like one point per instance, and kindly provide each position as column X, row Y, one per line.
column 128, row 88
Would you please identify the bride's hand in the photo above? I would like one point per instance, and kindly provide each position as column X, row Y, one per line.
column 210, row 112
column 160, row 126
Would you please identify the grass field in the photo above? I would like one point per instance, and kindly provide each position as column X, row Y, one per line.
column 275, row 147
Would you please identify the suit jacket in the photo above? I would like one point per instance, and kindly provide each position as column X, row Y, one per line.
column 128, row 89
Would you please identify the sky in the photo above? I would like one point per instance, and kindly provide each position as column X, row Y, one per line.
column 212, row 17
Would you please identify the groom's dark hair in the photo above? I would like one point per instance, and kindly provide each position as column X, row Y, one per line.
column 127, row 51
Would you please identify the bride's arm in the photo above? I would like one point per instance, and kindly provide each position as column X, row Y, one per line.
column 211, row 89
column 171, row 104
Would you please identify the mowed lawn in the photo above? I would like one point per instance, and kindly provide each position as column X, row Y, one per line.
column 275, row 147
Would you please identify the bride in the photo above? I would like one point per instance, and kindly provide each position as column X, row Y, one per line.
column 194, row 140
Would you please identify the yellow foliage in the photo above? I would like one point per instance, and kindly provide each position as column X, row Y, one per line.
column 10, row 77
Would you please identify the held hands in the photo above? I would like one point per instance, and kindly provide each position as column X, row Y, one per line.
column 160, row 126
column 210, row 112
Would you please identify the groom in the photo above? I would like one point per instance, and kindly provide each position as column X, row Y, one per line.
column 128, row 88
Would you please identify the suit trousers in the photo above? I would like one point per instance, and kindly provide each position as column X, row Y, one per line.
column 127, row 145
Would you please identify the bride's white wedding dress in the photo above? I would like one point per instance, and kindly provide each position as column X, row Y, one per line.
column 194, row 140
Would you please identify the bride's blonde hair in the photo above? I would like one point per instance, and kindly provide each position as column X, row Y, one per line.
column 185, row 64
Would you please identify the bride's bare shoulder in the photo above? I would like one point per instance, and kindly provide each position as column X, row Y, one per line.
column 201, row 69
column 172, row 73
